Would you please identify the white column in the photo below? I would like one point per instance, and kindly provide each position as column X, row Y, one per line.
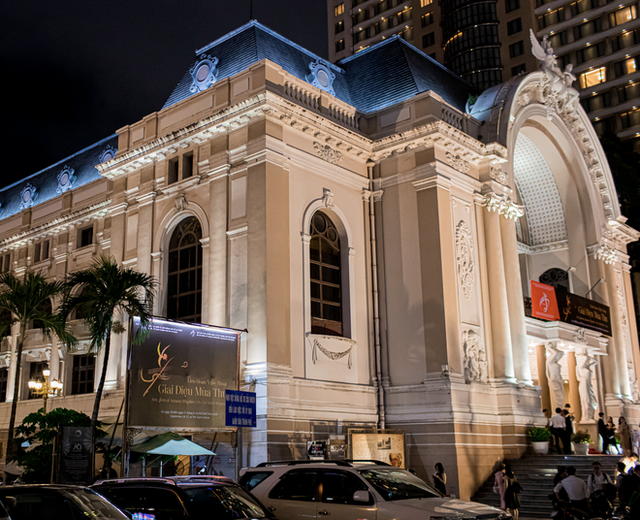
column 500, row 330
column 515, row 300
column 617, row 341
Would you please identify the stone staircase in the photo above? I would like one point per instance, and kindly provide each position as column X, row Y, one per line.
column 535, row 473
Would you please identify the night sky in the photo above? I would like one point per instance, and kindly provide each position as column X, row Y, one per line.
column 74, row 71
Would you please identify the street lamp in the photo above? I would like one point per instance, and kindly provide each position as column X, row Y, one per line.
column 47, row 388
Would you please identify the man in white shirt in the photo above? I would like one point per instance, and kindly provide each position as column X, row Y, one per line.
column 576, row 488
column 557, row 424
column 597, row 479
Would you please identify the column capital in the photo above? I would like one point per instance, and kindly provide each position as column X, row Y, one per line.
column 501, row 204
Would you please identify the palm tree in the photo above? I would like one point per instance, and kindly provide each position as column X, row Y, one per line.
column 101, row 291
column 23, row 301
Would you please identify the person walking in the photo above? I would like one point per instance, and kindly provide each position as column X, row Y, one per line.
column 440, row 479
column 625, row 436
column 576, row 488
column 568, row 432
column 512, row 490
column 603, row 432
column 558, row 425
column 560, row 476
column 500, row 484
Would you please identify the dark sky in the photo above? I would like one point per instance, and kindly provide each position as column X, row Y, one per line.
column 74, row 71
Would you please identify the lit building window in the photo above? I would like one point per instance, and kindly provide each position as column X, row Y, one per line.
column 623, row 16
column 631, row 118
column 593, row 77
column 425, row 3
column 624, row 67
column 339, row 9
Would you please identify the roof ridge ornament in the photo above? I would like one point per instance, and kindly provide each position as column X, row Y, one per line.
column 28, row 196
column 321, row 76
column 203, row 73
column 65, row 179
column 557, row 92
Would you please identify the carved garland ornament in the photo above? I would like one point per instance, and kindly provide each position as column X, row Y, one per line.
column 499, row 175
column 464, row 257
column 331, row 355
column 503, row 205
column 606, row 254
column 327, row 153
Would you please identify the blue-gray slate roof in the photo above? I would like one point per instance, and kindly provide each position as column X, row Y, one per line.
column 387, row 73
column 46, row 183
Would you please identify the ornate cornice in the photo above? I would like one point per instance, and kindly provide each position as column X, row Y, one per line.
column 544, row 248
column 56, row 226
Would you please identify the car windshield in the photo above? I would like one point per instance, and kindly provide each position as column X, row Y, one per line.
column 224, row 502
column 397, row 484
column 57, row 504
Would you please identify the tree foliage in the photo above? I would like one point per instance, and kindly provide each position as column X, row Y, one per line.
column 40, row 429
column 23, row 301
column 101, row 292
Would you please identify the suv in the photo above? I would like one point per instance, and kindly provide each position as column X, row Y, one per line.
column 351, row 490
column 181, row 498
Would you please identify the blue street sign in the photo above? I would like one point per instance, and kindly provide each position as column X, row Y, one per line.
column 240, row 408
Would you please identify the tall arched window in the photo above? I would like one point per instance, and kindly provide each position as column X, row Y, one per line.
column 326, row 278
column 184, row 289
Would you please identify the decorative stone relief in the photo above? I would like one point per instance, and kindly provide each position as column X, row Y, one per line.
column 622, row 306
column 464, row 258
column 327, row 153
column 554, row 375
column 584, row 372
column 203, row 74
column 475, row 357
column 181, row 202
column 499, row 175
column 503, row 205
column 37, row 355
column 327, row 198
column 317, row 346
column 457, row 162
column 5, row 360
column 633, row 381
column 579, row 337
column 108, row 154
column 65, row 179
column 28, row 196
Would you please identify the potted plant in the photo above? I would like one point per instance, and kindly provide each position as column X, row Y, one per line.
column 539, row 438
column 581, row 440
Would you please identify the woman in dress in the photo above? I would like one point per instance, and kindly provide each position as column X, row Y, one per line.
column 625, row 436
column 440, row 479
column 512, row 490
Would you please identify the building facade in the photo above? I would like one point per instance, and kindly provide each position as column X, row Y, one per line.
column 487, row 42
column 373, row 232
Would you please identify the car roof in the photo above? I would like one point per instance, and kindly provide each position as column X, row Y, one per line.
column 349, row 463
column 178, row 481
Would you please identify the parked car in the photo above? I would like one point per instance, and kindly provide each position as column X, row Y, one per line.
column 352, row 490
column 179, row 498
column 56, row 502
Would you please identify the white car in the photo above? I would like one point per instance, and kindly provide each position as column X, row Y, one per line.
column 355, row 491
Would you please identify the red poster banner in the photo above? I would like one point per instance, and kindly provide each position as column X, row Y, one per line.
column 543, row 302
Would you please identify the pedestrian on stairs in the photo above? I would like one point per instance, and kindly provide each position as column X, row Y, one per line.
column 568, row 430
column 511, row 492
column 576, row 488
column 500, row 484
column 625, row 436
column 557, row 428
column 604, row 433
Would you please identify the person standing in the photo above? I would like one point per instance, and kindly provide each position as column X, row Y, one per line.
column 597, row 480
column 611, row 428
column 576, row 488
column 625, row 436
column 568, row 432
column 560, row 476
column 500, row 484
column 603, row 432
column 558, row 425
column 512, row 490
column 440, row 479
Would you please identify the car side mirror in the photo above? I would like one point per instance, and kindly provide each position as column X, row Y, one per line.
column 361, row 496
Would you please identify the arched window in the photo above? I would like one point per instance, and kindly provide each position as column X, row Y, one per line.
column 326, row 277
column 184, row 289
column 555, row 278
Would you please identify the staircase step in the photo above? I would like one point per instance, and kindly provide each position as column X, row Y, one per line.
column 536, row 473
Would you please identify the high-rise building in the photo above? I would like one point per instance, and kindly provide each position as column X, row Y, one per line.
column 486, row 42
